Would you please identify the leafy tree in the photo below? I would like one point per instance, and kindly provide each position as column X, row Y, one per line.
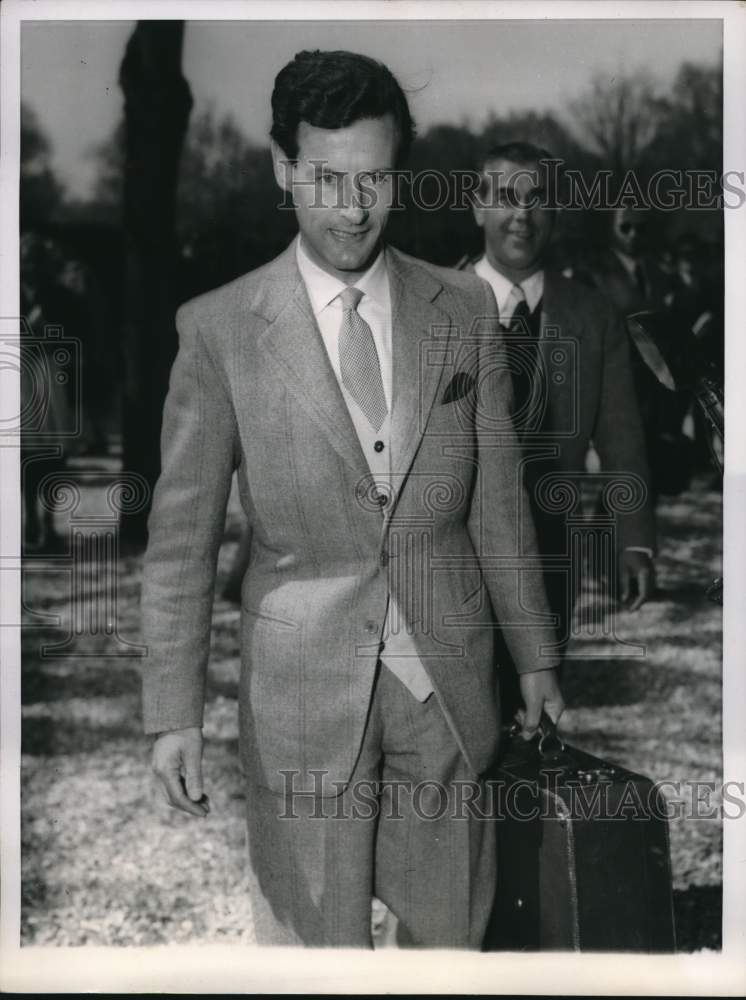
column 618, row 118
column 540, row 128
column 228, row 215
column 435, row 220
column 108, row 192
column 690, row 132
column 41, row 193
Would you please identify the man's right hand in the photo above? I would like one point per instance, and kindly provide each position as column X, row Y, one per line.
column 177, row 763
column 541, row 693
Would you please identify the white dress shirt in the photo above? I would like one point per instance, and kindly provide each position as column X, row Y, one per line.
column 533, row 287
column 399, row 652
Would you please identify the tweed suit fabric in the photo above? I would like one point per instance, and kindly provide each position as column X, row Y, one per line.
column 252, row 390
column 436, row 875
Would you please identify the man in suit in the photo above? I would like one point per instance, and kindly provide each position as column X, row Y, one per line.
column 343, row 381
column 626, row 272
column 571, row 369
column 628, row 275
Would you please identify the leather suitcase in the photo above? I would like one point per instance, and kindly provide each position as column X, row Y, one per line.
column 583, row 853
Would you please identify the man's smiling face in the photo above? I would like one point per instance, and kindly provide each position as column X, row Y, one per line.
column 342, row 189
column 512, row 210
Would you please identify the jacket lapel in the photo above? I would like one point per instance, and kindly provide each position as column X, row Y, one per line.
column 557, row 307
column 420, row 334
column 294, row 341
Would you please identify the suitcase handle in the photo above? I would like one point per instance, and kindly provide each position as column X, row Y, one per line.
column 550, row 742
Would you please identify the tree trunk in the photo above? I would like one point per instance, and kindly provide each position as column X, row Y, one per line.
column 157, row 106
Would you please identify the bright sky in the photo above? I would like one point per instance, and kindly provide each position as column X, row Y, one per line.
column 458, row 70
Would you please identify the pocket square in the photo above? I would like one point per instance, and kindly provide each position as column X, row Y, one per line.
column 460, row 385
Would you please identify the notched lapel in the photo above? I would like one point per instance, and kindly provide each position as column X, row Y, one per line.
column 558, row 308
column 559, row 318
column 294, row 341
column 420, row 334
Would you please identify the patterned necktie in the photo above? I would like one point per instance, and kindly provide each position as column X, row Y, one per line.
column 358, row 360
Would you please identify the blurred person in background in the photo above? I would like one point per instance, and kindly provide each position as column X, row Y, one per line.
column 514, row 209
column 75, row 301
column 695, row 309
column 45, row 406
column 695, row 300
column 628, row 273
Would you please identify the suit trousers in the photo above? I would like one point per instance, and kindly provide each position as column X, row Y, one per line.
column 399, row 830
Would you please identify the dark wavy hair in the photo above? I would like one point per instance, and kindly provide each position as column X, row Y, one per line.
column 516, row 151
column 333, row 90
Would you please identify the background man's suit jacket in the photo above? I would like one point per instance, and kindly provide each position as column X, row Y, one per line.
column 662, row 411
column 607, row 273
column 588, row 396
column 606, row 409
column 252, row 389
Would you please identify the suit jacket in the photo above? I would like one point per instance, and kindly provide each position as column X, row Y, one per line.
column 662, row 411
column 607, row 274
column 252, row 390
column 588, row 395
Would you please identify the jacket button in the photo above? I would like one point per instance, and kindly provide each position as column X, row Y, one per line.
column 380, row 499
column 371, row 627
column 378, row 446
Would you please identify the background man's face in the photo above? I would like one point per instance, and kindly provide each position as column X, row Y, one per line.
column 342, row 189
column 630, row 230
column 516, row 227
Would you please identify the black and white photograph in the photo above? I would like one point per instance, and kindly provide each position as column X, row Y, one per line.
column 368, row 533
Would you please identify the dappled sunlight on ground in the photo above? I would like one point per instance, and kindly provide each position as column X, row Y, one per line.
column 106, row 862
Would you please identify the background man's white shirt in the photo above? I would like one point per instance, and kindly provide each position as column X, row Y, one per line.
column 533, row 287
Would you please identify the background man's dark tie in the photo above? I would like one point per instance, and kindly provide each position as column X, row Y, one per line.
column 522, row 346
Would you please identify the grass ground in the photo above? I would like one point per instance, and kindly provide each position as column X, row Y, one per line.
column 105, row 862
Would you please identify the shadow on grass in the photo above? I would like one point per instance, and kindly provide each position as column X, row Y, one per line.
column 45, row 737
column 618, row 681
column 678, row 529
column 684, row 601
column 42, row 683
column 221, row 687
column 679, row 605
column 698, row 912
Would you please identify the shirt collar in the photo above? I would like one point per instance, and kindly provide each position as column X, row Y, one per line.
column 323, row 287
column 533, row 286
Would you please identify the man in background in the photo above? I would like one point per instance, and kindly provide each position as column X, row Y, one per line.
column 570, row 361
column 628, row 275
column 626, row 272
